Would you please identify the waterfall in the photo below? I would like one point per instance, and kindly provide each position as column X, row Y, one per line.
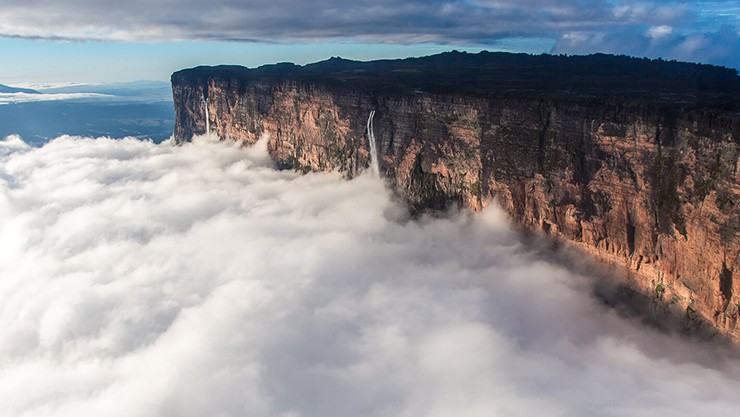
column 373, row 148
column 208, row 117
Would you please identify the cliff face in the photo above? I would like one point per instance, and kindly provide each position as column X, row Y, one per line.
column 639, row 176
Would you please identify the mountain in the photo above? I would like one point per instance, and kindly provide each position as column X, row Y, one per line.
column 633, row 161
column 7, row 89
column 141, row 109
column 143, row 90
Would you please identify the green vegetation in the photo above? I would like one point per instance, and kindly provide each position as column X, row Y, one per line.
column 659, row 291
column 476, row 188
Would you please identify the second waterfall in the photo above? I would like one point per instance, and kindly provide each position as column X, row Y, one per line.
column 373, row 147
column 208, row 116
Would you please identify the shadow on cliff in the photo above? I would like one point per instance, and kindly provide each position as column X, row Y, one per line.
column 612, row 285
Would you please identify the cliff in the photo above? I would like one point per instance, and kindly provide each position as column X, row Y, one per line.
column 632, row 160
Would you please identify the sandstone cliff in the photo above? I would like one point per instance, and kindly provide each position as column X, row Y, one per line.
column 634, row 161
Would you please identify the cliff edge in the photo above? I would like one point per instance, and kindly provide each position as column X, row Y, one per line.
column 632, row 160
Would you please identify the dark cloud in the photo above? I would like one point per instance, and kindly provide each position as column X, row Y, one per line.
column 479, row 22
column 140, row 279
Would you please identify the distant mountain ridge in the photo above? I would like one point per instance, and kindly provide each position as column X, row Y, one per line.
column 140, row 108
column 495, row 74
column 9, row 90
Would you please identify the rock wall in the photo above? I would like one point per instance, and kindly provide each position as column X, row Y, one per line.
column 651, row 188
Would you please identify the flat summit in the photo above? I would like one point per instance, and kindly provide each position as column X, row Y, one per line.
column 603, row 77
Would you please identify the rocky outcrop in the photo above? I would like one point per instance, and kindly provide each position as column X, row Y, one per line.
column 633, row 161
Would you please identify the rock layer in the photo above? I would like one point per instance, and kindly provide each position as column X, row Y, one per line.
column 633, row 161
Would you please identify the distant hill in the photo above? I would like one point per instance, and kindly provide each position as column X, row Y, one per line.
column 7, row 89
column 141, row 109
column 132, row 90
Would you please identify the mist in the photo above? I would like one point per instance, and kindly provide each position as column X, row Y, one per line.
column 142, row 279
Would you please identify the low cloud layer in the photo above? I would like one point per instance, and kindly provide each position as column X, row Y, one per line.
column 140, row 279
column 15, row 98
column 576, row 26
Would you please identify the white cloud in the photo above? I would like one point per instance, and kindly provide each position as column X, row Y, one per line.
column 720, row 46
column 14, row 98
column 46, row 86
column 658, row 32
column 140, row 279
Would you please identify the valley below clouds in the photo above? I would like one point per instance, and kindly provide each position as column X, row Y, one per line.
column 143, row 279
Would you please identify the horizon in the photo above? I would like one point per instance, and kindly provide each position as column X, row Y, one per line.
column 42, row 85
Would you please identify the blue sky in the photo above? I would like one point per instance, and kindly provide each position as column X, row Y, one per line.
column 99, row 41
column 43, row 61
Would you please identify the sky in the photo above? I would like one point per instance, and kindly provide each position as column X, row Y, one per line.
column 100, row 41
column 143, row 279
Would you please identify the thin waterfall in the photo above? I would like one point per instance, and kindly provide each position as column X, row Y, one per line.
column 373, row 148
column 208, row 117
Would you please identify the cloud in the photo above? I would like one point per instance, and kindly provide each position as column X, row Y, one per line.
column 142, row 279
column 14, row 98
column 477, row 22
column 658, row 32
column 721, row 47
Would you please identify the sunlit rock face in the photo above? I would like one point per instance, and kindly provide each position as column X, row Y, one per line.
column 633, row 161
